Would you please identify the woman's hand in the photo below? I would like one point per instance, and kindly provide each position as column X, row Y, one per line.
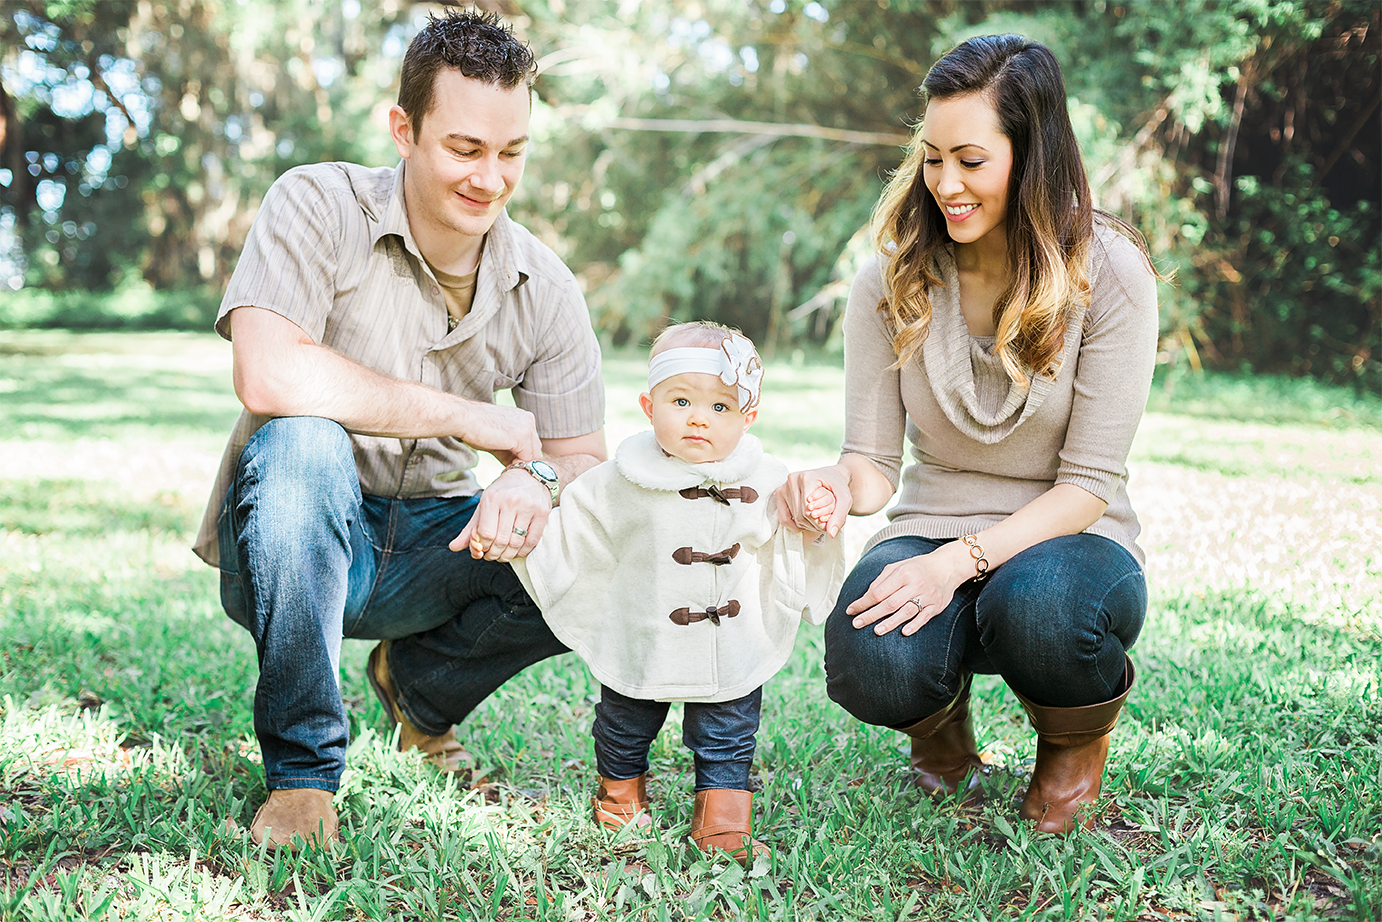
column 911, row 592
column 817, row 500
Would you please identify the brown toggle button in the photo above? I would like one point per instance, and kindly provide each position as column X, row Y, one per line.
column 684, row 616
column 686, row 555
column 743, row 494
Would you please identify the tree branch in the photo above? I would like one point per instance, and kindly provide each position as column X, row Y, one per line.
column 1223, row 173
column 1352, row 133
column 730, row 125
column 99, row 82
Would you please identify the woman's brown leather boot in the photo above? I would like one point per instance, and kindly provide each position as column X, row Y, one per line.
column 944, row 755
column 1072, row 746
column 723, row 819
column 619, row 803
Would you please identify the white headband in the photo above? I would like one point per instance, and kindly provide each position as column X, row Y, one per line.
column 735, row 362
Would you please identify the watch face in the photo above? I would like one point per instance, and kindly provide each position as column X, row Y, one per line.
column 543, row 470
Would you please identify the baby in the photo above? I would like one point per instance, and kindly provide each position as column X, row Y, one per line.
column 666, row 570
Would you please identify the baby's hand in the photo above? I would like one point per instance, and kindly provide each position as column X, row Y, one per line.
column 820, row 505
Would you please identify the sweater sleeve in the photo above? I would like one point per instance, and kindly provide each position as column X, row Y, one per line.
column 876, row 421
column 1114, row 375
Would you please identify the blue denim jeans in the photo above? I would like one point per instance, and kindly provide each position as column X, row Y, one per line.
column 307, row 560
column 721, row 736
column 1054, row 622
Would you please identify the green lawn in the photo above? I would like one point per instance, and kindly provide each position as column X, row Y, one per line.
column 1245, row 780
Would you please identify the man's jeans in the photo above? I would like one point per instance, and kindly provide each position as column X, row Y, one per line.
column 1054, row 622
column 721, row 736
column 307, row 560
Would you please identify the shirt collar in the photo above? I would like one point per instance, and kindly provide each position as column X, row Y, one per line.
column 502, row 255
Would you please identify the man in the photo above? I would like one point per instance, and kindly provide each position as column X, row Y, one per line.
column 373, row 314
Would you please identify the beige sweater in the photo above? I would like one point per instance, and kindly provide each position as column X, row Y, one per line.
column 982, row 447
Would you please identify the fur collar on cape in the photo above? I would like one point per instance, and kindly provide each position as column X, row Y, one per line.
column 643, row 462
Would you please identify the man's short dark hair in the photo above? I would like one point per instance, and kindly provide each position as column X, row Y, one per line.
column 477, row 44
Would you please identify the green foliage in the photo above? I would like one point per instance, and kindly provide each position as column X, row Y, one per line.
column 147, row 133
column 1258, row 125
column 1274, row 400
column 1307, row 254
column 134, row 304
column 713, row 254
column 1238, row 136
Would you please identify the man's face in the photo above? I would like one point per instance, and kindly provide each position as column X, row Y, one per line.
column 465, row 163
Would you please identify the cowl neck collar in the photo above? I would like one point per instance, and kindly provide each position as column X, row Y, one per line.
column 643, row 462
column 954, row 360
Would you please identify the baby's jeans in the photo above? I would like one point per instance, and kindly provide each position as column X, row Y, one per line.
column 721, row 737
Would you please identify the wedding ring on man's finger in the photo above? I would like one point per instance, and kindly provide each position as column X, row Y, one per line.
column 521, row 532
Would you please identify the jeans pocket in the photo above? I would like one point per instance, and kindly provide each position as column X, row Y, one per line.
column 232, row 593
column 497, row 627
column 233, row 599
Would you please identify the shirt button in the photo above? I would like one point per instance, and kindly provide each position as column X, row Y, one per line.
column 436, row 290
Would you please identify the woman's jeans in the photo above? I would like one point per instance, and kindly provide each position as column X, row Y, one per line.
column 1054, row 622
column 307, row 560
column 721, row 736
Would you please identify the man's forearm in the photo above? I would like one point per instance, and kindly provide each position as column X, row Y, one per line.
column 569, row 467
column 311, row 380
column 280, row 371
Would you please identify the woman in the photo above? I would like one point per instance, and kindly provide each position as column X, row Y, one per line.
column 1008, row 330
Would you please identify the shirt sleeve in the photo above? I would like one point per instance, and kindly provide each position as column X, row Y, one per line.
column 563, row 388
column 876, row 420
column 288, row 264
column 1116, row 359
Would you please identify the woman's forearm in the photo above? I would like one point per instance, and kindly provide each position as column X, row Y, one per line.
column 869, row 489
column 1065, row 509
column 929, row 581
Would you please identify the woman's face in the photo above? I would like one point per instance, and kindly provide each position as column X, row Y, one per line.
column 967, row 164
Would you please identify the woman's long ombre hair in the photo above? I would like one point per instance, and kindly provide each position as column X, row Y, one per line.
column 1050, row 221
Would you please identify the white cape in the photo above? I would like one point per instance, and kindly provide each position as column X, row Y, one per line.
column 606, row 579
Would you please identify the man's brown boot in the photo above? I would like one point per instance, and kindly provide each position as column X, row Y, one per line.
column 289, row 812
column 619, row 803
column 1072, row 747
column 723, row 820
column 944, row 755
column 442, row 751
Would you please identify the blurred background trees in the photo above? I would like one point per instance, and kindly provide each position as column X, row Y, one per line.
column 709, row 158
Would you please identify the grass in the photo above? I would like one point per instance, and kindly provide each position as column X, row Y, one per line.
column 1244, row 782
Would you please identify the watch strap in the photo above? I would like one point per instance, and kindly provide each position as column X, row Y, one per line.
column 553, row 483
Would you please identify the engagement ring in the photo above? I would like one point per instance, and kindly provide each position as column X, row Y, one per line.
column 917, row 603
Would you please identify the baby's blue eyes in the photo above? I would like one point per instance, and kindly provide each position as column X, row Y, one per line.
column 717, row 407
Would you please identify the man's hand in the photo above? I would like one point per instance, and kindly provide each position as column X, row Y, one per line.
column 508, row 433
column 509, row 519
column 516, row 499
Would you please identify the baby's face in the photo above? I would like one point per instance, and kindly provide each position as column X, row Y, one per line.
column 696, row 417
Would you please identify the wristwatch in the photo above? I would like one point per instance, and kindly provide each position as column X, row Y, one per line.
column 545, row 474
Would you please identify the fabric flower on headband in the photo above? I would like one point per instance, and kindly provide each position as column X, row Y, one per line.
column 742, row 369
column 736, row 363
